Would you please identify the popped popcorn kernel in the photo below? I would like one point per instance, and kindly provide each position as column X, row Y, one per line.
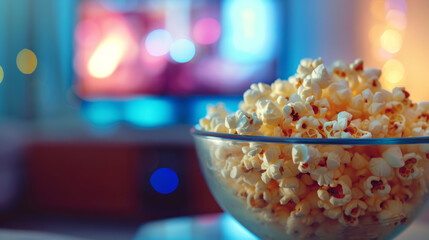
column 306, row 188
column 379, row 167
column 376, row 185
column 411, row 169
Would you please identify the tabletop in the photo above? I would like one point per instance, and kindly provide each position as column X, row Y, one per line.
column 225, row 227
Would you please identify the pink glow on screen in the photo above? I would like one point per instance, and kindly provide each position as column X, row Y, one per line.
column 87, row 33
column 152, row 65
column 206, row 31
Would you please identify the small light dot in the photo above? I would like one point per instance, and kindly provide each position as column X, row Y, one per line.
column 182, row 50
column 158, row 42
column 26, row 61
column 1, row 74
column 206, row 31
column 164, row 180
column 396, row 19
column 391, row 40
column 393, row 71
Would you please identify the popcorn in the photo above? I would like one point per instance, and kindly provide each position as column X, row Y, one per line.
column 214, row 119
column 355, row 107
column 308, row 89
column 272, row 171
column 305, row 188
column 323, row 176
column 359, row 161
column 393, row 156
column 411, row 169
column 338, row 193
column 306, row 123
column 331, row 211
column 379, row 167
column 369, row 78
column 376, row 185
column 321, row 77
column 348, row 220
column 300, row 153
column 282, row 88
column 289, row 169
column 304, row 156
column 340, row 69
column 392, row 209
column 271, row 154
column 401, row 193
column 396, row 125
column 287, row 196
column 357, row 65
column 243, row 123
column 374, row 203
column 339, row 93
column 269, row 111
column 378, row 104
column 305, row 67
column 252, row 95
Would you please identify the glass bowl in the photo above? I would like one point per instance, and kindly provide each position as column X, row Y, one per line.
column 264, row 183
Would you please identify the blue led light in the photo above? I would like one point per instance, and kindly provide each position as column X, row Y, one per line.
column 150, row 112
column 249, row 30
column 164, row 180
column 182, row 50
column 101, row 113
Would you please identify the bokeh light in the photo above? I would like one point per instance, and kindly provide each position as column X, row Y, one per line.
column 150, row 112
column 102, row 113
column 106, row 57
column 393, row 71
column 26, row 61
column 396, row 19
column 164, row 180
column 400, row 5
column 158, row 42
column 207, row 31
column 391, row 41
column 1, row 74
column 182, row 50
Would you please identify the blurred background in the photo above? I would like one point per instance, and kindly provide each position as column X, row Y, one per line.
column 97, row 96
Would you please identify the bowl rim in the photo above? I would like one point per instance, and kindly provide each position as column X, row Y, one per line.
column 196, row 131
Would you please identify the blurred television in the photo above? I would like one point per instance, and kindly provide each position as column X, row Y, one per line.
column 156, row 63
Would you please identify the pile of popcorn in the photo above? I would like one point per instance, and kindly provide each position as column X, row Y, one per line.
column 302, row 187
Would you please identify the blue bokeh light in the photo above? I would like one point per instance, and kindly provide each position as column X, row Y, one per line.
column 164, row 180
column 150, row 112
column 182, row 50
column 249, row 30
column 102, row 112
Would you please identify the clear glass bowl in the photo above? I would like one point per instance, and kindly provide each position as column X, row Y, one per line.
column 270, row 210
